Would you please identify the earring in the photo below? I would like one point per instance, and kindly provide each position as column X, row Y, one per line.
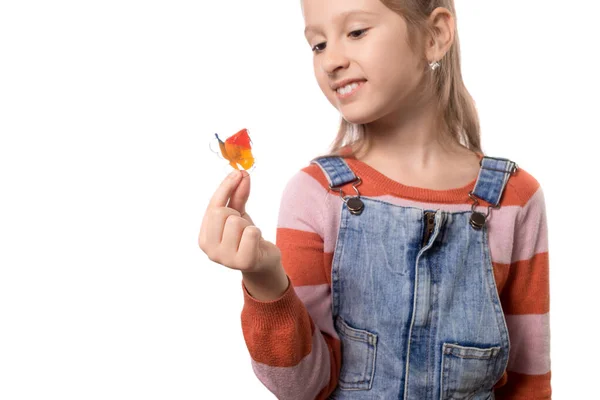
column 433, row 65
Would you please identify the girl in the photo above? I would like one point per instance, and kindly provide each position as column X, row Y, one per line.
column 407, row 264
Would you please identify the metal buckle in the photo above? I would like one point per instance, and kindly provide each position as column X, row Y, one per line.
column 476, row 201
column 354, row 204
column 338, row 186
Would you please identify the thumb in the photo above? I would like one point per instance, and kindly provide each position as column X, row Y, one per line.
column 270, row 254
column 240, row 195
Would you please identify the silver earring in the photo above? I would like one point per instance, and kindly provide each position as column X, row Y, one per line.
column 433, row 65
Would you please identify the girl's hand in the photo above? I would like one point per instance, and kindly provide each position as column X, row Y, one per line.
column 229, row 237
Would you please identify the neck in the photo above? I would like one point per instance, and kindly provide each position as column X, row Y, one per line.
column 413, row 138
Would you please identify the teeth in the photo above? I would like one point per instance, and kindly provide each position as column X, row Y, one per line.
column 347, row 89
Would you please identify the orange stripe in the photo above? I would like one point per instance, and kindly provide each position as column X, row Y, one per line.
column 502, row 380
column 501, row 271
column 328, row 261
column 317, row 174
column 273, row 347
column 524, row 387
column 527, row 288
column 302, row 256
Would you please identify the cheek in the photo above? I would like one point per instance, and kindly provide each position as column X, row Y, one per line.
column 392, row 69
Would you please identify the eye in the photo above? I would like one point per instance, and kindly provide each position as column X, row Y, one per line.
column 360, row 31
column 315, row 47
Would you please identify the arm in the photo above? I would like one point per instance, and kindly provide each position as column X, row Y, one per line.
column 294, row 350
column 266, row 286
column 526, row 304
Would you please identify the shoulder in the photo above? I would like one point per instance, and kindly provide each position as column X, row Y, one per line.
column 309, row 178
column 305, row 201
column 305, row 191
column 521, row 189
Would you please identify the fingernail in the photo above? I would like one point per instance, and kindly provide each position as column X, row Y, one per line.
column 233, row 174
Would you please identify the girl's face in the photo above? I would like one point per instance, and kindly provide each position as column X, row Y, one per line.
column 364, row 40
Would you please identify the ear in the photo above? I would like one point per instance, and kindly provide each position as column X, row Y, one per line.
column 442, row 26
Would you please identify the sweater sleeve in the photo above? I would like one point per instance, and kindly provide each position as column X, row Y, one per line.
column 294, row 349
column 526, row 304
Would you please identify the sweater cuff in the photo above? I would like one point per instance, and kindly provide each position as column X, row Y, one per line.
column 283, row 310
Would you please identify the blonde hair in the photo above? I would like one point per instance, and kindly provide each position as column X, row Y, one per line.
column 459, row 118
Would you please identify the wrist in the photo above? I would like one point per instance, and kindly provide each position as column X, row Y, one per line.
column 266, row 285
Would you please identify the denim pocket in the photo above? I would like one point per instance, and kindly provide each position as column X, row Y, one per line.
column 466, row 371
column 359, row 349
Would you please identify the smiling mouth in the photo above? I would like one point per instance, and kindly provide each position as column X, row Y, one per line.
column 349, row 91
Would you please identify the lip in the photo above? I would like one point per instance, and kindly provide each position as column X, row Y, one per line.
column 352, row 93
column 344, row 82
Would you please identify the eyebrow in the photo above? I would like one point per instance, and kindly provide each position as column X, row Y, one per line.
column 342, row 17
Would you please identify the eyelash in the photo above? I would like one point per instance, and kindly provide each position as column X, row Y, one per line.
column 316, row 51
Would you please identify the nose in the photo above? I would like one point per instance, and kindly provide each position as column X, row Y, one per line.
column 334, row 57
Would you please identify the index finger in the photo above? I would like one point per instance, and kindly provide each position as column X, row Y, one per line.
column 221, row 195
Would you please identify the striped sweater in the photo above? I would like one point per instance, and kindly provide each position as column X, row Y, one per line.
column 294, row 348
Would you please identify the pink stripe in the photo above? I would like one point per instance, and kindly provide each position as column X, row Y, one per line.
column 532, row 236
column 529, row 343
column 501, row 228
column 317, row 299
column 302, row 204
column 307, row 206
column 302, row 381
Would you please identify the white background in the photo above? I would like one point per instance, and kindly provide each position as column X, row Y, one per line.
column 107, row 109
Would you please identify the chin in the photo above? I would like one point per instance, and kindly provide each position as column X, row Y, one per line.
column 358, row 116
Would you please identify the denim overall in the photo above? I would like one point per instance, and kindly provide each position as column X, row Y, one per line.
column 417, row 320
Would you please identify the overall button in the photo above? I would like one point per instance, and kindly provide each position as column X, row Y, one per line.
column 477, row 220
column 355, row 205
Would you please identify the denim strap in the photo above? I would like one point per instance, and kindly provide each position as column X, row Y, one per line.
column 336, row 170
column 492, row 178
